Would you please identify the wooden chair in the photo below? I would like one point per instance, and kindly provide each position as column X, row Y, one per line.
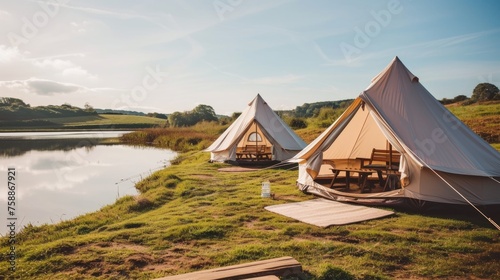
column 385, row 162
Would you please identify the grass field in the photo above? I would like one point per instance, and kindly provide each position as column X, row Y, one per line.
column 475, row 111
column 190, row 216
column 483, row 119
column 107, row 120
column 103, row 121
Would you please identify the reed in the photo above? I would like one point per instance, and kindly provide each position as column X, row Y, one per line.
column 178, row 139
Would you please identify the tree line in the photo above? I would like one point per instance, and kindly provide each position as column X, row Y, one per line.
column 322, row 114
column 14, row 109
column 189, row 118
column 481, row 93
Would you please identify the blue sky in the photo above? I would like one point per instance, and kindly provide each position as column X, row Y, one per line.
column 168, row 56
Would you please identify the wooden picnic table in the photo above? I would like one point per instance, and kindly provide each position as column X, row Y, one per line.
column 363, row 176
column 254, row 152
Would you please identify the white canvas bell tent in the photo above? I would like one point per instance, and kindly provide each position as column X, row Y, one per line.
column 260, row 126
column 442, row 160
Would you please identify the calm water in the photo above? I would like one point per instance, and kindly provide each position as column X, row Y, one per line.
column 63, row 175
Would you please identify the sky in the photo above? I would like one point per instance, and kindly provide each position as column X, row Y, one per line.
column 167, row 56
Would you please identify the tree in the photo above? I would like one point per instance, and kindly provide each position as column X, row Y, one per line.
column 9, row 101
column 223, row 120
column 235, row 115
column 89, row 107
column 175, row 119
column 297, row 123
column 485, row 92
column 456, row 99
column 157, row 115
column 446, row 101
column 460, row 98
column 198, row 114
column 204, row 113
column 327, row 113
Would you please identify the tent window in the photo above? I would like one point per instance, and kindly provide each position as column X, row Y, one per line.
column 254, row 137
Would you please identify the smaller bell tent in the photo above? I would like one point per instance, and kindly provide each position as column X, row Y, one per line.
column 257, row 134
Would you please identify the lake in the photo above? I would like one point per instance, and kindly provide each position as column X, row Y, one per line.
column 61, row 175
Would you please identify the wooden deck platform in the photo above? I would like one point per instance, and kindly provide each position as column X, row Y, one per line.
column 259, row 270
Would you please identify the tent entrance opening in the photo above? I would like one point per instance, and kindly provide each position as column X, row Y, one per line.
column 254, row 145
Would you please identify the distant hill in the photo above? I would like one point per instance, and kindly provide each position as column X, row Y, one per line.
column 15, row 114
column 119, row 112
column 308, row 110
column 14, row 109
column 131, row 113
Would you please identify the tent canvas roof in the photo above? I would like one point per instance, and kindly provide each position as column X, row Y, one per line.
column 426, row 127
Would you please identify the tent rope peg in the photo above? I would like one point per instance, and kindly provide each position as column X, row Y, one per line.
column 494, row 223
column 492, row 178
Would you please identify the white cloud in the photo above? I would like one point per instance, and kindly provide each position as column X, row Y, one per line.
column 19, row 65
column 8, row 54
column 43, row 87
column 66, row 68
column 53, row 63
column 77, row 72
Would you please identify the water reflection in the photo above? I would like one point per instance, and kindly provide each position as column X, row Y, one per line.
column 17, row 143
column 16, row 147
column 61, row 179
column 61, row 135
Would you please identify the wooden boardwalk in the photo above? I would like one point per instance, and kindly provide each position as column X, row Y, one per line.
column 259, row 270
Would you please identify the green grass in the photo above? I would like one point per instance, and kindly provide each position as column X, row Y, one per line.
column 107, row 120
column 475, row 111
column 483, row 119
column 191, row 216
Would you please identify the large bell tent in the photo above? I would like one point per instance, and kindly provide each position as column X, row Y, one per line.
column 442, row 160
